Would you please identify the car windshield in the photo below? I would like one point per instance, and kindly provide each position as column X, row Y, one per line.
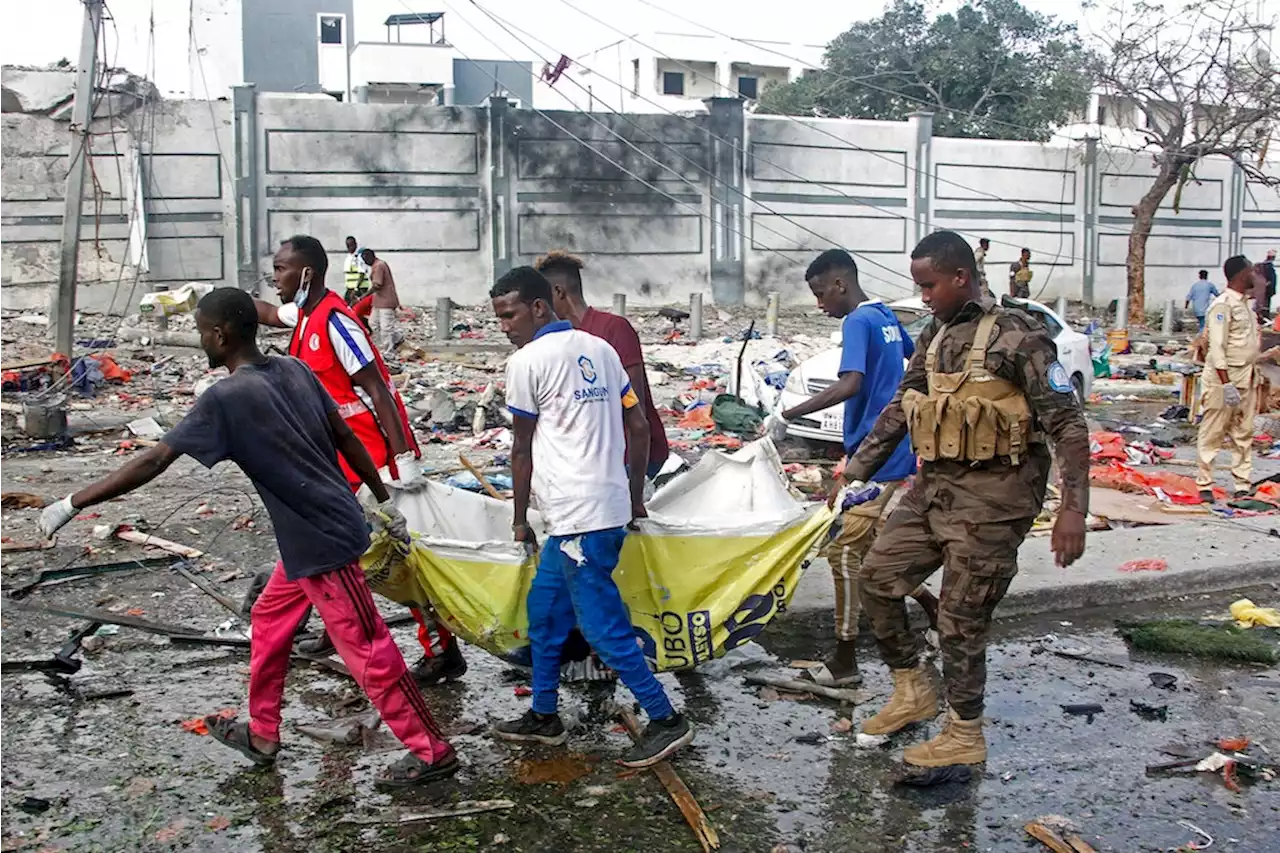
column 913, row 320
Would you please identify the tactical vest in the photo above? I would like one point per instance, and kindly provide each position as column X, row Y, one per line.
column 971, row 416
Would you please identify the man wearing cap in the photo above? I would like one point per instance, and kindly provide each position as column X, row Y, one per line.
column 1229, row 382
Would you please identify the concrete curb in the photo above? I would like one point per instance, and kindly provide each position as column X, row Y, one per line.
column 1127, row 588
column 1108, row 592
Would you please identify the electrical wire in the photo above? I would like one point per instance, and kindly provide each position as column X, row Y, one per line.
column 668, row 147
column 846, row 144
column 891, row 214
column 636, row 177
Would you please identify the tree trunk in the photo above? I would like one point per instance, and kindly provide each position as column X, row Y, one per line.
column 1144, row 213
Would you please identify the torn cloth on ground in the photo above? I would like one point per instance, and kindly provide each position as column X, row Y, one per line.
column 719, row 556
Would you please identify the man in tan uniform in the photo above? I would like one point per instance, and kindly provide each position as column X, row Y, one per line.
column 1230, row 382
column 983, row 395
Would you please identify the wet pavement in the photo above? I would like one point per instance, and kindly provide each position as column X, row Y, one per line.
column 121, row 774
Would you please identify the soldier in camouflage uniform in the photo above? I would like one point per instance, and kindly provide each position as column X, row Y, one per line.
column 973, row 504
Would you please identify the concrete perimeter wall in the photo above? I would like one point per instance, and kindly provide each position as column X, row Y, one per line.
column 660, row 206
column 187, row 191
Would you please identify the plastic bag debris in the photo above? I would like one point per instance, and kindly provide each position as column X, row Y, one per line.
column 1249, row 615
column 180, row 300
column 866, row 741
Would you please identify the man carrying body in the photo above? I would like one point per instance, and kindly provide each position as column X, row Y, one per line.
column 355, row 274
column 873, row 349
column 274, row 420
column 564, row 272
column 1020, row 276
column 329, row 339
column 980, row 487
column 1229, row 381
column 1199, row 297
column 980, row 257
column 570, row 398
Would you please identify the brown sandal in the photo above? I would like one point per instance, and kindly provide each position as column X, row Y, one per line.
column 236, row 735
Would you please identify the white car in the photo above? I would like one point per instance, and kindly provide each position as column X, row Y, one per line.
column 820, row 371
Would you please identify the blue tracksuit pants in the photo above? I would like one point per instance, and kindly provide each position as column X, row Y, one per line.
column 574, row 587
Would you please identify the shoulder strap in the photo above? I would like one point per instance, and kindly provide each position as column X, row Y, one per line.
column 931, row 356
column 978, row 349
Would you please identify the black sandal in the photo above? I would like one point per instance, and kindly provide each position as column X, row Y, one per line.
column 236, row 735
column 412, row 770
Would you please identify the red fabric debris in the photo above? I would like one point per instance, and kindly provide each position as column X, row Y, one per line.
column 1151, row 565
column 522, row 690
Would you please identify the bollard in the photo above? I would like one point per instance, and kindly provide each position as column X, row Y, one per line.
column 1060, row 307
column 771, row 314
column 1122, row 313
column 444, row 318
column 695, row 316
column 620, row 304
column 1170, row 313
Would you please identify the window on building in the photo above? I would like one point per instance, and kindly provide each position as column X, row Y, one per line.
column 331, row 29
column 635, row 77
column 1102, row 114
column 749, row 87
column 672, row 82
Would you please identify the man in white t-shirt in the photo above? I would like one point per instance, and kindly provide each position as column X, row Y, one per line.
column 570, row 400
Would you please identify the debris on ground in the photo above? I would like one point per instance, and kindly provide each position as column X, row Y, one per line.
column 1249, row 615
column 1058, row 834
column 345, row 730
column 1217, row 640
column 952, row 773
column 1153, row 564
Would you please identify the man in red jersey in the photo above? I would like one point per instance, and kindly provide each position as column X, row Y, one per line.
column 330, row 340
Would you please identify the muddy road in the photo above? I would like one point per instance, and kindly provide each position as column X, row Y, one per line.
column 120, row 773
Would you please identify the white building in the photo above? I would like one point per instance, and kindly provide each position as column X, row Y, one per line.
column 675, row 72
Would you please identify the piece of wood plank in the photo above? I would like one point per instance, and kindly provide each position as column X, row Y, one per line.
column 1047, row 837
column 26, row 363
column 208, row 589
column 796, row 685
column 108, row 618
column 466, row 807
column 479, row 475
column 680, row 793
column 1079, row 845
column 138, row 537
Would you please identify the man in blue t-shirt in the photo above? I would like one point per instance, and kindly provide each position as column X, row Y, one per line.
column 874, row 352
column 1198, row 298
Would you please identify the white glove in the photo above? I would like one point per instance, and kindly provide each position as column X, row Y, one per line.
column 774, row 427
column 55, row 515
column 385, row 516
column 410, row 471
column 1231, row 396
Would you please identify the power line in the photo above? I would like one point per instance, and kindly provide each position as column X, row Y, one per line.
column 852, row 146
column 674, row 151
column 757, row 158
column 631, row 174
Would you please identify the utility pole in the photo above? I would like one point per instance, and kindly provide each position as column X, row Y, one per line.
column 81, row 116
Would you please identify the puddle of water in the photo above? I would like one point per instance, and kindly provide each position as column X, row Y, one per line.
column 559, row 769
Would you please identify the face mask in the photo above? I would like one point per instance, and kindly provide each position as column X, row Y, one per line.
column 300, row 298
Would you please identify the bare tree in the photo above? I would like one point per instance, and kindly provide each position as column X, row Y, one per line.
column 1198, row 82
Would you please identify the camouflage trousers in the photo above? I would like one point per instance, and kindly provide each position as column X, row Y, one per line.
column 979, row 560
column 848, row 548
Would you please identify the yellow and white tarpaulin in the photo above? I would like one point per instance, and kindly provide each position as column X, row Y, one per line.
column 719, row 556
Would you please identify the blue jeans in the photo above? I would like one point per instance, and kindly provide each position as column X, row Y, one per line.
column 1200, row 320
column 577, row 589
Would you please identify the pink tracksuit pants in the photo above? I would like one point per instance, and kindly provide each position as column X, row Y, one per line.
column 345, row 605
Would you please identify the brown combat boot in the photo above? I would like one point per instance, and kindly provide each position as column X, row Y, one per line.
column 959, row 742
column 913, row 701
